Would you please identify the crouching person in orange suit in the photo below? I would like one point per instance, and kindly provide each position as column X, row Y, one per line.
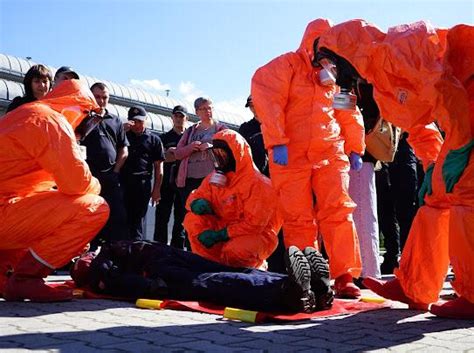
column 419, row 74
column 42, row 227
column 234, row 218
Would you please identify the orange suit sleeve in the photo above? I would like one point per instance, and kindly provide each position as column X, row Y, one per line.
column 426, row 141
column 270, row 92
column 52, row 143
column 352, row 126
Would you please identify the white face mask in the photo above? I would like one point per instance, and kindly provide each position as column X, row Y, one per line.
column 326, row 78
column 327, row 75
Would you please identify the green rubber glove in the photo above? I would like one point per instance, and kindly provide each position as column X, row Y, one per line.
column 201, row 206
column 426, row 186
column 454, row 165
column 209, row 238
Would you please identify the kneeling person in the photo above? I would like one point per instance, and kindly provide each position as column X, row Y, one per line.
column 234, row 216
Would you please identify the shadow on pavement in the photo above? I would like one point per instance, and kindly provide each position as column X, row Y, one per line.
column 360, row 332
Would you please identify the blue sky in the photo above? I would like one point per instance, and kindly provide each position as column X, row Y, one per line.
column 193, row 48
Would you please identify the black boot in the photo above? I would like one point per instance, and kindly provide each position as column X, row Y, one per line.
column 320, row 280
column 300, row 295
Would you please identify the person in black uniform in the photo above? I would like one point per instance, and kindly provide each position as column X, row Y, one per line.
column 106, row 150
column 153, row 270
column 397, row 185
column 169, row 192
column 252, row 133
column 144, row 164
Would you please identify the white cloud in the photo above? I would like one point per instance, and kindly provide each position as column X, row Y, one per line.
column 236, row 106
column 152, row 86
column 187, row 92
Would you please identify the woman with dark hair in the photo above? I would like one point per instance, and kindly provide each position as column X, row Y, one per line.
column 37, row 84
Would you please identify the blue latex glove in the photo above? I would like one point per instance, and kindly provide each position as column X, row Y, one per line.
column 209, row 238
column 426, row 187
column 201, row 207
column 280, row 154
column 356, row 161
column 454, row 165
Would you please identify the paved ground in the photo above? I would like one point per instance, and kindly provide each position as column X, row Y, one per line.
column 108, row 326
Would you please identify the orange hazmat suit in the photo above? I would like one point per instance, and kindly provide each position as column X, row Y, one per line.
column 421, row 74
column 296, row 111
column 247, row 207
column 39, row 151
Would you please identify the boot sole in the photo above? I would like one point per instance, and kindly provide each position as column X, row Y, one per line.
column 319, row 278
column 299, row 271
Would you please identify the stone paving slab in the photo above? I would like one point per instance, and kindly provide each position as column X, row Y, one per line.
column 114, row 326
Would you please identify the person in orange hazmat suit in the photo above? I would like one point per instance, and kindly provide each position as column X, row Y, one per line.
column 234, row 218
column 42, row 227
column 309, row 143
column 421, row 74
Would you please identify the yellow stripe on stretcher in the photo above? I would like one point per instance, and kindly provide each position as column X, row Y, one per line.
column 372, row 300
column 241, row 315
column 149, row 303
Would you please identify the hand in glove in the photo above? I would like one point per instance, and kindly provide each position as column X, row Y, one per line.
column 454, row 165
column 426, row 187
column 201, row 207
column 209, row 238
column 280, row 154
column 355, row 161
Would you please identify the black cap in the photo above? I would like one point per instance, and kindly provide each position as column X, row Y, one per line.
column 137, row 113
column 249, row 101
column 66, row 70
column 180, row 109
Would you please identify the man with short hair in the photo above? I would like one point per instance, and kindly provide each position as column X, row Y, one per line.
column 106, row 146
column 170, row 197
column 64, row 73
column 143, row 164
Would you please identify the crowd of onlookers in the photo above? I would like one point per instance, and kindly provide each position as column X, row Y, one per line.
column 135, row 165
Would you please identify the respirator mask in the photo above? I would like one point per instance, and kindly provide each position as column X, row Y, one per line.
column 327, row 74
column 346, row 78
column 224, row 162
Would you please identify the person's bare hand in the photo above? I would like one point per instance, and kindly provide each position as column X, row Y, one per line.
column 127, row 125
column 196, row 145
column 204, row 146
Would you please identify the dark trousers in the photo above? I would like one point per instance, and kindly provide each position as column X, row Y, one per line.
column 189, row 277
column 137, row 193
column 116, row 226
column 191, row 184
column 397, row 186
column 170, row 198
column 276, row 261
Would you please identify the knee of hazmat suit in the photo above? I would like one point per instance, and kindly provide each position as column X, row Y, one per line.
column 39, row 151
column 242, row 199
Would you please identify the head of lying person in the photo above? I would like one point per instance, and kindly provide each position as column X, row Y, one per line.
column 80, row 269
